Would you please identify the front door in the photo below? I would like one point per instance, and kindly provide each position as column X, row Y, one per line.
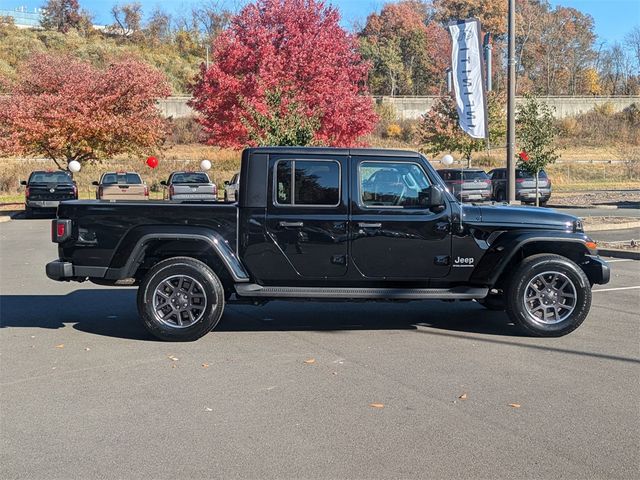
column 307, row 217
column 393, row 235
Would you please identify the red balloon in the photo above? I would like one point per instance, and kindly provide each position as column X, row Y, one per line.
column 152, row 162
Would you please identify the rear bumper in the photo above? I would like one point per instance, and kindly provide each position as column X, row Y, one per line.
column 597, row 270
column 530, row 195
column 42, row 203
column 67, row 271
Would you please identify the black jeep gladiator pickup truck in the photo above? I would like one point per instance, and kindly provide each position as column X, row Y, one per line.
column 330, row 223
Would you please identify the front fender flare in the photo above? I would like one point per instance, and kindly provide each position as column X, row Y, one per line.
column 508, row 244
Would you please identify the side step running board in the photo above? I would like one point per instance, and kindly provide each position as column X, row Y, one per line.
column 461, row 293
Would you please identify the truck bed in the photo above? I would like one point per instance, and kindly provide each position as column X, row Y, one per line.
column 104, row 230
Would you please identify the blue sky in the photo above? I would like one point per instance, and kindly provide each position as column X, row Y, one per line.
column 613, row 18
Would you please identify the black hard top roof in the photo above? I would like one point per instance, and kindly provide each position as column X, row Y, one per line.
column 380, row 152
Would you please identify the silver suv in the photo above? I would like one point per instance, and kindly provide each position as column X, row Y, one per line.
column 467, row 184
column 525, row 186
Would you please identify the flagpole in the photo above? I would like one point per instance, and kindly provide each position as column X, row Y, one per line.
column 511, row 104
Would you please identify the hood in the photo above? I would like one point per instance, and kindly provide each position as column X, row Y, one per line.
column 531, row 217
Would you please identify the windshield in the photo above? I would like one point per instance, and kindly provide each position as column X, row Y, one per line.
column 190, row 177
column 458, row 174
column 121, row 178
column 50, row 177
column 525, row 174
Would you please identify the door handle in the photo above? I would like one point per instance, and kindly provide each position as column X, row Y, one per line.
column 291, row 224
column 369, row 225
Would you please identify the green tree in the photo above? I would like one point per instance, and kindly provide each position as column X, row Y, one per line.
column 535, row 133
column 284, row 123
column 439, row 131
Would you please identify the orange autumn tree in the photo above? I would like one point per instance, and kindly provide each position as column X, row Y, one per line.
column 65, row 109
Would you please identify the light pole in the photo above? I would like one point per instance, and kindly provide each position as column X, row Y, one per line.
column 511, row 105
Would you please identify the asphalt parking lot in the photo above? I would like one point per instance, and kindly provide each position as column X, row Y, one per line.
column 86, row 393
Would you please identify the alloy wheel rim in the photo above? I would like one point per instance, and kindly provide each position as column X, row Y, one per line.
column 550, row 298
column 179, row 301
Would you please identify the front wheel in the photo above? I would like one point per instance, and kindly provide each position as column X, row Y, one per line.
column 180, row 299
column 549, row 295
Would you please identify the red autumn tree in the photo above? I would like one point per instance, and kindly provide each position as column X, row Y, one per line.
column 284, row 72
column 66, row 109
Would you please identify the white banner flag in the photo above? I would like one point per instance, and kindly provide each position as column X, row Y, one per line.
column 466, row 64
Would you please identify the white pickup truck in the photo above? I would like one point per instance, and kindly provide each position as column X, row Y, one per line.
column 190, row 186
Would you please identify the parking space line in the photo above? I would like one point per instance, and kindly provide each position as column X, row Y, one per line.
column 613, row 289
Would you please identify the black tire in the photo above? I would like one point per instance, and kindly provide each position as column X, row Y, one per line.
column 28, row 212
column 500, row 197
column 542, row 204
column 226, row 198
column 528, row 271
column 187, row 276
column 493, row 302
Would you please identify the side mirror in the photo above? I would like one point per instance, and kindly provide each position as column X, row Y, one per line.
column 432, row 197
column 23, row 182
column 163, row 182
column 95, row 183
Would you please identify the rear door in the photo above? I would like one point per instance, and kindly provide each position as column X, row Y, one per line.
column 393, row 236
column 307, row 216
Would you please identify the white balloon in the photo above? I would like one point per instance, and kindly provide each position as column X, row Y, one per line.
column 205, row 165
column 74, row 166
column 447, row 159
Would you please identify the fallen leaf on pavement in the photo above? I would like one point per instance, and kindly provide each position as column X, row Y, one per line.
column 87, row 349
column 515, row 405
column 208, row 409
column 310, row 361
column 376, row 405
column 205, row 365
column 463, row 396
column 60, row 346
column 171, row 357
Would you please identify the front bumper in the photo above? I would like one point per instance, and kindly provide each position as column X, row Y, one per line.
column 66, row 271
column 596, row 269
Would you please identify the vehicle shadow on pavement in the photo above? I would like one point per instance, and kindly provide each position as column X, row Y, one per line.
column 112, row 312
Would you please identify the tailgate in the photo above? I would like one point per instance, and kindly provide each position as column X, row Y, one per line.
column 194, row 189
column 51, row 192
column 123, row 192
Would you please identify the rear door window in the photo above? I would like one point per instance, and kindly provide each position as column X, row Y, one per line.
column 190, row 177
column 50, row 177
column 121, row 179
column 307, row 183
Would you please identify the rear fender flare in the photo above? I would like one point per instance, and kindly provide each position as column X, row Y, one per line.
column 135, row 254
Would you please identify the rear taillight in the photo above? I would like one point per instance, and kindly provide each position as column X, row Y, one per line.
column 146, row 191
column 215, row 189
column 519, row 180
column 172, row 191
column 60, row 230
column 26, row 192
column 75, row 192
column 100, row 193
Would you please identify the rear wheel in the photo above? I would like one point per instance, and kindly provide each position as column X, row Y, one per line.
column 226, row 197
column 180, row 299
column 500, row 196
column 28, row 212
column 549, row 295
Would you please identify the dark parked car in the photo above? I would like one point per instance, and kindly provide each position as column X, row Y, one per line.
column 46, row 189
column 525, row 186
column 467, row 184
column 190, row 186
column 331, row 223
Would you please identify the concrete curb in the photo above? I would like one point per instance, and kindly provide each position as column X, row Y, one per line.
column 611, row 226
column 602, row 207
column 618, row 253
